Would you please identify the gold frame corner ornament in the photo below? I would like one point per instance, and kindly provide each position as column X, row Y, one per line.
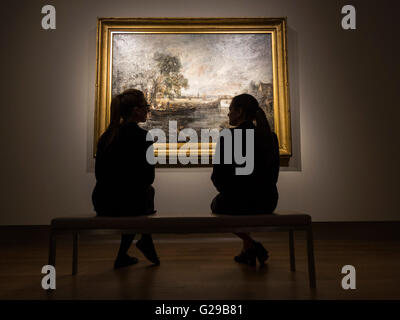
column 276, row 26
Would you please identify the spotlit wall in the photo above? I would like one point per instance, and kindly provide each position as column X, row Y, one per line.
column 343, row 99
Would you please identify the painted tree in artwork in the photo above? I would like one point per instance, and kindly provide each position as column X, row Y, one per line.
column 161, row 75
column 171, row 80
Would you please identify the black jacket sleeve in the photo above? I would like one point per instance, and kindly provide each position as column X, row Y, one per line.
column 222, row 175
column 148, row 169
column 140, row 171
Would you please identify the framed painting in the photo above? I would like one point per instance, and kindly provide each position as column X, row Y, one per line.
column 189, row 70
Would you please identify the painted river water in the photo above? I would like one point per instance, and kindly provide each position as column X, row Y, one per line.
column 197, row 119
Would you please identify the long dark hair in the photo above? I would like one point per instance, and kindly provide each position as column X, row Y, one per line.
column 265, row 139
column 252, row 112
column 121, row 108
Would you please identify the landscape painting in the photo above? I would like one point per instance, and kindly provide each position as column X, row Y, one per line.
column 192, row 77
column 189, row 70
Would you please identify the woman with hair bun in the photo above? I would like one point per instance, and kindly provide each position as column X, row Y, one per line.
column 124, row 177
column 255, row 193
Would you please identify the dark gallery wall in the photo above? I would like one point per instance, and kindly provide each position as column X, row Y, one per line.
column 343, row 87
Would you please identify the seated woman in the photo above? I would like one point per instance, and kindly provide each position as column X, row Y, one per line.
column 124, row 177
column 255, row 193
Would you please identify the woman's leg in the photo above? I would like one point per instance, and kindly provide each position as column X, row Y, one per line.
column 146, row 245
column 250, row 245
column 146, row 237
column 248, row 254
column 126, row 241
column 123, row 259
column 248, row 241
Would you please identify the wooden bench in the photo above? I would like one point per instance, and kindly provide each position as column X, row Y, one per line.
column 208, row 223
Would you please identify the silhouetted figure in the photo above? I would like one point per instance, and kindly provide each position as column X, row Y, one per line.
column 124, row 177
column 255, row 193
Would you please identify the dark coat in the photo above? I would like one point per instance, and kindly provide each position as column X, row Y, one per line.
column 247, row 194
column 123, row 175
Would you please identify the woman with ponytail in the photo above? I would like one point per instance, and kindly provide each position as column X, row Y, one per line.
column 123, row 176
column 255, row 193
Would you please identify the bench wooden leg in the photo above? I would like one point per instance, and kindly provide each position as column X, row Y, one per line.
column 291, row 251
column 75, row 254
column 310, row 255
column 52, row 249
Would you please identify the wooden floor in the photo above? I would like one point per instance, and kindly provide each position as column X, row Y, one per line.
column 202, row 266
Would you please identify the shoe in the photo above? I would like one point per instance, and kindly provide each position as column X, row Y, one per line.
column 247, row 257
column 125, row 261
column 146, row 246
column 261, row 253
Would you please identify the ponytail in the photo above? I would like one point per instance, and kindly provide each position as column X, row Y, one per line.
column 252, row 111
column 262, row 124
column 263, row 133
column 264, row 137
column 115, row 121
column 115, row 118
column 121, row 108
column 268, row 141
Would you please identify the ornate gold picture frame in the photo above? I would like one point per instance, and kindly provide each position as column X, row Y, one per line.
column 212, row 60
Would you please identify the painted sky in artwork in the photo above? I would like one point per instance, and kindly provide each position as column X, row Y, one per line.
column 214, row 64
